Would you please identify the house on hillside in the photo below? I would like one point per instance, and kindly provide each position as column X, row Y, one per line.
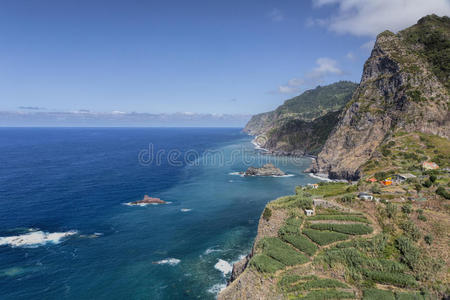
column 403, row 177
column 429, row 165
column 312, row 185
column 387, row 181
column 309, row 212
column 365, row 196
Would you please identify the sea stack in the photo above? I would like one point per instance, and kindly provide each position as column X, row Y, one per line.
column 266, row 170
column 148, row 200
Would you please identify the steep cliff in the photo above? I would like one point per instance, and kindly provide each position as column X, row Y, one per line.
column 404, row 87
column 302, row 124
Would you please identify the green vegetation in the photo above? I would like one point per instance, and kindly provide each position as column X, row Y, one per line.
column 360, row 266
column 328, row 294
column 324, row 237
column 265, row 264
column 312, row 287
column 300, row 242
column 397, row 279
column 354, row 218
column 441, row 191
column 312, row 103
column 353, row 229
column 294, row 201
column 267, row 214
column 291, row 283
column 280, row 251
column 375, row 294
column 330, row 189
column 431, row 32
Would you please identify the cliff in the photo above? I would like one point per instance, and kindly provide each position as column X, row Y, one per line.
column 302, row 124
column 404, row 87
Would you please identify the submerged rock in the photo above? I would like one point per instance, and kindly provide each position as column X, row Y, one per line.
column 266, row 170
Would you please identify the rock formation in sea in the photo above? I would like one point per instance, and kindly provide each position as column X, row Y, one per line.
column 148, row 200
column 265, row 170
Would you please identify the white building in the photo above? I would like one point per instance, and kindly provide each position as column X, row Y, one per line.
column 309, row 212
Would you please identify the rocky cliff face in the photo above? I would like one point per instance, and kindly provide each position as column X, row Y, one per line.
column 401, row 89
column 302, row 124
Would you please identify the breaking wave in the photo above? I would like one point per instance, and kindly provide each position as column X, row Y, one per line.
column 35, row 239
column 168, row 261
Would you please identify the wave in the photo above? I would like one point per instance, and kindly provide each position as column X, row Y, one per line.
column 236, row 174
column 185, row 209
column 258, row 147
column 35, row 239
column 217, row 288
column 211, row 250
column 145, row 204
column 168, row 261
column 281, row 176
column 320, row 176
column 224, row 267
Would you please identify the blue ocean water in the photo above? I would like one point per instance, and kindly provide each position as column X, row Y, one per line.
column 65, row 232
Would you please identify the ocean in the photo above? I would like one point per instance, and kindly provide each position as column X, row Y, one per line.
column 66, row 231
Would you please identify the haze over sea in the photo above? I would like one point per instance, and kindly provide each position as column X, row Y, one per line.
column 65, row 232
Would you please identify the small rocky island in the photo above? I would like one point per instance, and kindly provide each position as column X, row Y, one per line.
column 266, row 170
column 148, row 200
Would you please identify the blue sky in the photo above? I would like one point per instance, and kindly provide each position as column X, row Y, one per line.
column 225, row 57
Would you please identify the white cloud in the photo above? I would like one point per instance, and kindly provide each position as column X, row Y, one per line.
column 325, row 66
column 368, row 18
column 276, row 15
column 350, row 55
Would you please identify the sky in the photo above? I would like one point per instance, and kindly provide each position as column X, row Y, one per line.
column 214, row 58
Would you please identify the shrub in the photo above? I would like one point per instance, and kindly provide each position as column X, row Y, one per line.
column 411, row 230
column 353, row 229
column 265, row 264
column 385, row 152
column 300, row 242
column 282, row 252
column 422, row 217
column 433, row 178
column 267, row 214
column 347, row 199
column 428, row 239
column 391, row 210
column 324, row 237
column 441, row 191
column 375, row 189
column 406, row 209
column 417, row 187
column 410, row 253
column 427, row 183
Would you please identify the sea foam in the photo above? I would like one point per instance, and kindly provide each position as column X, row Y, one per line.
column 35, row 239
column 224, row 267
column 185, row 209
column 217, row 288
column 168, row 261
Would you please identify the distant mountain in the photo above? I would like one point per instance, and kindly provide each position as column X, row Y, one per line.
column 404, row 88
column 302, row 124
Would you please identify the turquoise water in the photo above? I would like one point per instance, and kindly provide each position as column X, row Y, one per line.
column 66, row 232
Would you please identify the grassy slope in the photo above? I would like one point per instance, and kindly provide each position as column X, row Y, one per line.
column 404, row 256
